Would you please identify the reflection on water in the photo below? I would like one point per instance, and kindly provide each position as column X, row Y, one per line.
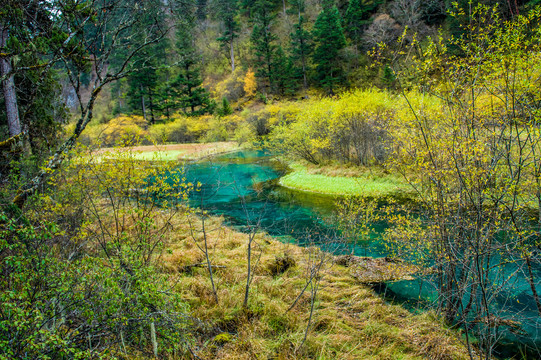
column 243, row 187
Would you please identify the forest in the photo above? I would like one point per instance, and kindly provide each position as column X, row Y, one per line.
column 263, row 179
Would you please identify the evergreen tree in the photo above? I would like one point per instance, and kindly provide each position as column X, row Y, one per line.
column 228, row 12
column 358, row 15
column 263, row 41
column 143, row 84
column 186, row 90
column 329, row 39
column 301, row 49
column 142, row 89
column 283, row 73
column 225, row 109
column 201, row 11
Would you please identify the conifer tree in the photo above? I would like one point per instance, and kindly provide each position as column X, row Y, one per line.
column 143, row 84
column 283, row 73
column 357, row 16
column 186, row 90
column 301, row 49
column 228, row 11
column 263, row 41
column 201, row 11
column 141, row 92
column 329, row 39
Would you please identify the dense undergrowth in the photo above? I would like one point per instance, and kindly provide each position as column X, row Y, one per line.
column 95, row 269
column 349, row 320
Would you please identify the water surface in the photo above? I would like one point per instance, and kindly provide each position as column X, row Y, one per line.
column 243, row 187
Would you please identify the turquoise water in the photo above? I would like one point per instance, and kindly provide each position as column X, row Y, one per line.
column 243, row 187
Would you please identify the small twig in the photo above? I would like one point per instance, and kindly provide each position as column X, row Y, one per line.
column 203, row 264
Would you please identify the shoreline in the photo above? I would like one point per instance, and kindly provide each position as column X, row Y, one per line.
column 300, row 178
column 176, row 152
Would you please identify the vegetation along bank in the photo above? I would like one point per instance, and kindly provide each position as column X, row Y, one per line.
column 104, row 254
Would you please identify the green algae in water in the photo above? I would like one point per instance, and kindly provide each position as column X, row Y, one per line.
column 243, row 187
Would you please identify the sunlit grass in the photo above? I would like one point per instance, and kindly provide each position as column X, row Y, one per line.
column 335, row 182
column 350, row 321
column 166, row 155
column 173, row 152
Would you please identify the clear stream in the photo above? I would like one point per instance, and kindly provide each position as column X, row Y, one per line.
column 243, row 187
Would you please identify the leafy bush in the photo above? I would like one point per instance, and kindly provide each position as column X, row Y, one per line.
column 122, row 130
column 78, row 266
column 352, row 128
column 231, row 88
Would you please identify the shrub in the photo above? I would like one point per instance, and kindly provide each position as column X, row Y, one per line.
column 351, row 129
column 120, row 131
column 231, row 88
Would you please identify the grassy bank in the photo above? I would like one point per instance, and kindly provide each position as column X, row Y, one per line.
column 177, row 152
column 339, row 180
column 349, row 320
column 171, row 308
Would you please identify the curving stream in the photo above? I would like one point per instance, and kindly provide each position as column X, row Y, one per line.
column 243, row 187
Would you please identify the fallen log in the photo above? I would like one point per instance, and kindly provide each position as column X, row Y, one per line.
column 372, row 271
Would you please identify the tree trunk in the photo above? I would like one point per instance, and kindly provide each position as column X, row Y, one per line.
column 153, row 339
column 232, row 54
column 8, row 86
column 152, row 119
column 143, row 103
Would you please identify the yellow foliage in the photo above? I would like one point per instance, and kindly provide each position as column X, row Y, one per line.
column 232, row 87
column 122, row 130
column 195, row 128
column 250, row 84
column 350, row 128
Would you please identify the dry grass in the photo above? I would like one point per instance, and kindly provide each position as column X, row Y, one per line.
column 350, row 320
column 192, row 151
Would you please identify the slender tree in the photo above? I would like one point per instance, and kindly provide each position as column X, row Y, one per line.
column 263, row 41
column 301, row 49
column 228, row 12
column 329, row 39
column 358, row 16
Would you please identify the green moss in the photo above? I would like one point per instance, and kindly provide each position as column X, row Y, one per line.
column 366, row 184
column 223, row 338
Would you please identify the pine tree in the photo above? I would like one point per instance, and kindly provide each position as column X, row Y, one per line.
column 263, row 41
column 186, row 90
column 358, row 15
column 142, row 89
column 301, row 49
column 329, row 39
column 201, row 11
column 228, row 12
column 283, row 73
column 143, row 84
column 225, row 109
